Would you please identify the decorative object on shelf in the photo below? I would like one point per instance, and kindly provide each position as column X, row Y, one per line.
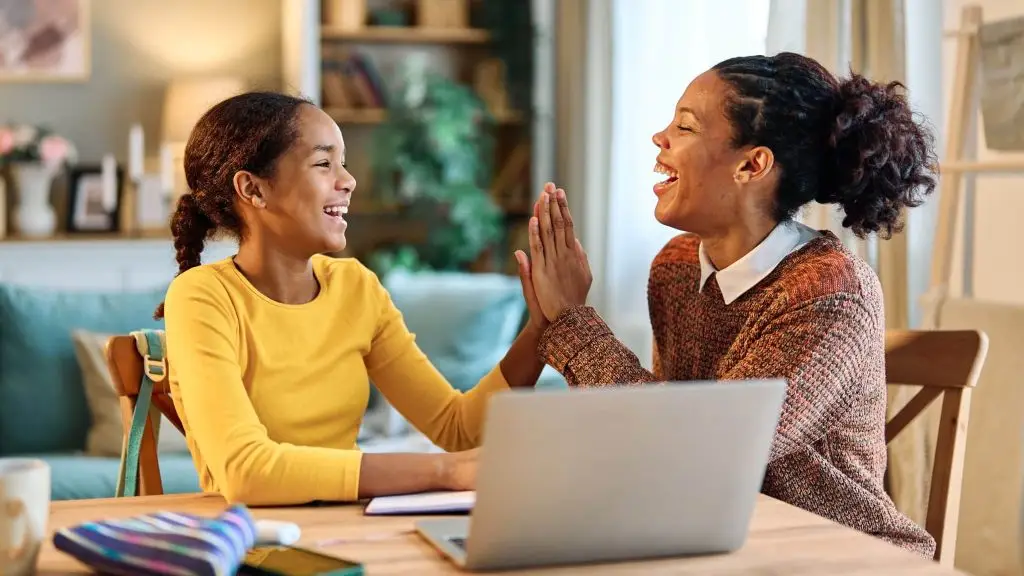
column 95, row 194
column 512, row 40
column 344, row 14
column 388, row 17
column 34, row 216
column 146, row 199
column 434, row 155
column 442, row 13
column 34, row 155
column 44, row 40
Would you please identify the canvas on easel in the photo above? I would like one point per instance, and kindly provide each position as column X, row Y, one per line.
column 987, row 58
column 1001, row 47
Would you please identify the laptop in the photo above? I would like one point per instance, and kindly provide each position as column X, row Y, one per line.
column 614, row 474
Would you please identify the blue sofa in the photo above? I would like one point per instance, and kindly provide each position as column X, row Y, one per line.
column 463, row 322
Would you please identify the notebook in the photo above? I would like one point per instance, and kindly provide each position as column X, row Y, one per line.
column 425, row 503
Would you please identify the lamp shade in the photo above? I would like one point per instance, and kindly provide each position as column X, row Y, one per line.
column 187, row 100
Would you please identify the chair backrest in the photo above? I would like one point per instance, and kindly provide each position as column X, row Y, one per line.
column 126, row 368
column 943, row 363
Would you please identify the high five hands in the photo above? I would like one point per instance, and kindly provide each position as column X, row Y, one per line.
column 556, row 276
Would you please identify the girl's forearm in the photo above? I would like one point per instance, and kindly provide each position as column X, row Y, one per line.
column 403, row 473
column 521, row 367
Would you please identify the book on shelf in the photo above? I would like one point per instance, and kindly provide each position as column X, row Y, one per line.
column 350, row 80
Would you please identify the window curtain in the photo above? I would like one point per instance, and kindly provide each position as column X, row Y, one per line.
column 655, row 53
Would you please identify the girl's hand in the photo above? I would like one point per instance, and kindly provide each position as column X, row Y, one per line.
column 459, row 470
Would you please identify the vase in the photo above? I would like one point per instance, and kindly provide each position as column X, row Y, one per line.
column 33, row 216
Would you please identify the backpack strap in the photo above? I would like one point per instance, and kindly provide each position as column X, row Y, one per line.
column 150, row 344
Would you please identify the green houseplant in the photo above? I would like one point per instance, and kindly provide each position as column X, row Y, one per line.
column 434, row 157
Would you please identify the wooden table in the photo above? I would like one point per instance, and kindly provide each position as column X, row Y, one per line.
column 783, row 540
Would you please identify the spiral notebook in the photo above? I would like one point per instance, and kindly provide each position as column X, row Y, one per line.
column 425, row 503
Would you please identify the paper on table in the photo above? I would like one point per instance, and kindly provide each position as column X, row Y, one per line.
column 425, row 503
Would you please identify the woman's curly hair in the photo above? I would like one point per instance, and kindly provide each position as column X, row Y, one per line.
column 851, row 142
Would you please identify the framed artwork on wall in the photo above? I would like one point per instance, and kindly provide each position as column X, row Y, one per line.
column 90, row 209
column 44, row 40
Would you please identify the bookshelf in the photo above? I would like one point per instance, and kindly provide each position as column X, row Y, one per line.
column 357, row 65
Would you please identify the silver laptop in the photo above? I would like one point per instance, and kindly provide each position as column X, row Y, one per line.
column 618, row 473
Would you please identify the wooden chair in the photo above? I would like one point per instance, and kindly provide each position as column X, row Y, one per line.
column 126, row 366
column 943, row 363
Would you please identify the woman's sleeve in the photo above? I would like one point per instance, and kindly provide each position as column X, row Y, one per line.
column 246, row 465
column 581, row 346
column 820, row 347
column 405, row 376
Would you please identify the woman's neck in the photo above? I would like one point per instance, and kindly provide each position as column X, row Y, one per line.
column 280, row 276
column 725, row 249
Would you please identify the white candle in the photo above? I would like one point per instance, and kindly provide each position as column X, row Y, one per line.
column 109, row 178
column 166, row 168
column 136, row 152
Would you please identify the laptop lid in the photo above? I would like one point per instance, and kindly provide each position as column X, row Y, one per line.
column 620, row 472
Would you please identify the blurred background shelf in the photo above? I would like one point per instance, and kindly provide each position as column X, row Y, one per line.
column 379, row 115
column 407, row 35
column 437, row 65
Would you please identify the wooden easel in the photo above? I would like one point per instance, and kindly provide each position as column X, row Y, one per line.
column 960, row 160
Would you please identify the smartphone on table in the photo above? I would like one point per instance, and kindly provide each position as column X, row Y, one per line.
column 293, row 561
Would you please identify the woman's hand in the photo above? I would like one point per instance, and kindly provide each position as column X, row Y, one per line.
column 560, row 270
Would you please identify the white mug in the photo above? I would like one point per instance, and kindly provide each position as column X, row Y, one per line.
column 24, row 512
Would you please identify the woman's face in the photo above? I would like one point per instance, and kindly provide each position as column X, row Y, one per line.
column 309, row 194
column 695, row 154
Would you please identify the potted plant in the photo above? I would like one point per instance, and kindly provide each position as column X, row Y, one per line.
column 434, row 156
column 33, row 154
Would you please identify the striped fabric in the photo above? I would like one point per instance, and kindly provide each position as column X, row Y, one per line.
column 163, row 543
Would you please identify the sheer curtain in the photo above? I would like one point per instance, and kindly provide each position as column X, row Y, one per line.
column 658, row 47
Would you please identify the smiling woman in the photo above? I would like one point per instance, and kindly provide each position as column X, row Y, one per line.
column 747, row 293
column 272, row 350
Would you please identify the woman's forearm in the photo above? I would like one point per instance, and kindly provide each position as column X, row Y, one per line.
column 521, row 367
column 389, row 474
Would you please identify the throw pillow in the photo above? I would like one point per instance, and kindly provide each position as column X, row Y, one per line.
column 42, row 401
column 106, row 431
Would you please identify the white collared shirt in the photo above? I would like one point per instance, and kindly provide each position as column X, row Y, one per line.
column 744, row 273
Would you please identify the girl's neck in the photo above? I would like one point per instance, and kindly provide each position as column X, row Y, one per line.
column 280, row 276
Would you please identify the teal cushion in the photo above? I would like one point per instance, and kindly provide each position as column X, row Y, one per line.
column 75, row 477
column 463, row 322
column 42, row 401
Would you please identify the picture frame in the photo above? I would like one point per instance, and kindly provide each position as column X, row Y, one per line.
column 45, row 41
column 86, row 211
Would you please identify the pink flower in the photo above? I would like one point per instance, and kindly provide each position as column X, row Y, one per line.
column 6, row 141
column 54, row 150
